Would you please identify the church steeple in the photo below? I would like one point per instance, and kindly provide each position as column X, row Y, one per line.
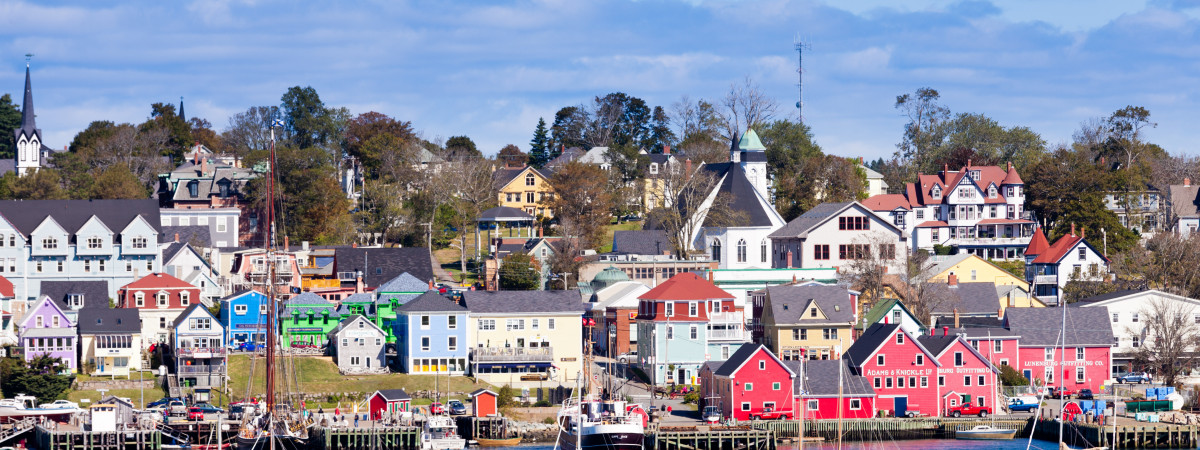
column 181, row 114
column 29, row 154
column 28, row 124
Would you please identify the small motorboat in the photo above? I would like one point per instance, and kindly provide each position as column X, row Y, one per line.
column 485, row 442
column 986, row 432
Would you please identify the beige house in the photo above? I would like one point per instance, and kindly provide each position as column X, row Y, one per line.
column 808, row 320
column 110, row 341
column 524, row 188
column 526, row 338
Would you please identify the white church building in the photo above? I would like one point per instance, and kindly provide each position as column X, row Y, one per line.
column 31, row 154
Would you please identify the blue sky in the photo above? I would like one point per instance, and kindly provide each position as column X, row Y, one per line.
column 490, row 69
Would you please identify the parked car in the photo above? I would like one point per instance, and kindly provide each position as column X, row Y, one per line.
column 1084, row 394
column 1134, row 377
column 207, row 408
column 176, row 408
column 436, row 408
column 1024, row 403
column 1061, row 392
column 967, row 409
column 163, row 402
column 59, row 404
column 627, row 357
column 456, row 407
column 195, row 414
column 770, row 414
column 249, row 347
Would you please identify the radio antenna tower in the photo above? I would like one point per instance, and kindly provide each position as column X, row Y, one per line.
column 800, row 48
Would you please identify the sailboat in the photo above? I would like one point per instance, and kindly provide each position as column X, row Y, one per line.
column 275, row 424
column 590, row 422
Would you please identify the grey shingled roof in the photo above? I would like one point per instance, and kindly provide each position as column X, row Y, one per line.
column 95, row 293
column 503, row 214
column 1040, row 326
column 790, row 304
column 26, row 215
column 1185, row 200
column 347, row 321
column 394, row 394
column 811, row 218
column 738, row 358
column 306, row 302
column 742, row 195
column 974, row 327
column 510, row 302
column 1112, row 295
column 642, row 242
column 110, row 321
column 380, row 265
column 187, row 312
column 969, row 298
column 384, row 299
column 937, row 344
column 198, row 234
column 820, row 379
column 431, row 301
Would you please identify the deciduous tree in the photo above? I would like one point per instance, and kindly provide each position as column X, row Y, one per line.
column 744, row 107
column 1170, row 339
column 582, row 195
column 370, row 125
column 520, row 272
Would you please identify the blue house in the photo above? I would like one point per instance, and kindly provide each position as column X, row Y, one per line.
column 244, row 316
column 431, row 335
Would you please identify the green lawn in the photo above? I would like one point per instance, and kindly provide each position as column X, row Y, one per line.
column 320, row 375
column 606, row 245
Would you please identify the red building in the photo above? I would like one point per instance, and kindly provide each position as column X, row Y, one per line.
column 902, row 372
column 817, row 390
column 158, row 291
column 1086, row 361
column 749, row 384
column 484, row 403
column 987, row 335
column 964, row 374
column 387, row 402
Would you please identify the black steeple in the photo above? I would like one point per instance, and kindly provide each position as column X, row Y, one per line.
column 181, row 115
column 28, row 125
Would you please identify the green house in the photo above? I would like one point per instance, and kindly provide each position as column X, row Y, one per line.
column 306, row 319
column 391, row 295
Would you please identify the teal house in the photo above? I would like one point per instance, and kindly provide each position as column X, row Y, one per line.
column 390, row 296
column 306, row 319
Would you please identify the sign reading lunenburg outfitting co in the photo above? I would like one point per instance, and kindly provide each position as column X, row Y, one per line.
column 1065, row 363
column 927, row 372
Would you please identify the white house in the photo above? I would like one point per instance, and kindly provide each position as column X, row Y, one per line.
column 978, row 209
column 743, row 181
column 1069, row 258
column 1185, row 207
column 834, row 234
column 1130, row 310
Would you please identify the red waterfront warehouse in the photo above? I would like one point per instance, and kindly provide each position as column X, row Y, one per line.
column 752, row 383
column 1084, row 361
column 902, row 372
column 964, row 375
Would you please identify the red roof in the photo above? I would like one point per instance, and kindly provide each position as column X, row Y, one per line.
column 686, row 286
column 4, row 313
column 886, row 202
column 6, row 288
column 1058, row 250
column 1004, row 222
column 933, row 224
column 158, row 281
column 1012, row 177
column 1037, row 244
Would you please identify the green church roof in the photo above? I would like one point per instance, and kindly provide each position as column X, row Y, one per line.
column 750, row 141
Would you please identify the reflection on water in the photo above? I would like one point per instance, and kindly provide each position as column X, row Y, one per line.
column 924, row 444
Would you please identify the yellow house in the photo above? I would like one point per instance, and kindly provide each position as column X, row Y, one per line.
column 1012, row 290
column 524, row 188
column 806, row 320
column 659, row 168
column 526, row 338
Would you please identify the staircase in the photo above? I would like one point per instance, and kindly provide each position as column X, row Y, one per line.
column 17, row 429
column 173, row 389
column 180, row 438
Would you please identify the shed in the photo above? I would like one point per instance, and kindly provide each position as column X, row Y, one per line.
column 484, row 402
column 389, row 401
column 125, row 413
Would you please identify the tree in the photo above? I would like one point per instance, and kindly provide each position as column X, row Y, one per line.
column 469, row 183
column 512, row 156
column 920, row 294
column 659, row 134
column 10, row 119
column 1168, row 262
column 813, row 180
column 687, row 210
column 1068, row 187
column 203, row 134
column 178, row 132
column 459, row 147
column 310, row 204
column 1009, row 376
column 875, row 256
column 371, row 125
column 1170, row 338
column 567, row 130
column 117, row 182
column 582, row 195
column 250, row 130
column 745, row 107
column 45, row 184
column 925, row 129
column 539, row 151
column 520, row 272
column 38, row 377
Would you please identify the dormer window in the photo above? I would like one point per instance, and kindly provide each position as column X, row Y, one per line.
column 49, row 243
column 75, row 300
column 992, row 192
column 975, row 175
column 139, row 242
column 937, row 192
column 223, row 188
column 162, row 299
column 193, row 188
column 94, row 242
column 654, row 168
column 139, row 299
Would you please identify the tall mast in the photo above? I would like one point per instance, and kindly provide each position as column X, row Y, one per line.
column 270, row 284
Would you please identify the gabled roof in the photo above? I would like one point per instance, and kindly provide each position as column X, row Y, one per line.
column 937, row 344
column 1037, row 244
column 622, row 294
column 1040, row 327
column 95, row 293
column 1061, row 248
column 379, row 265
column 887, row 202
column 967, row 298
column 241, row 294
column 393, row 395
column 515, row 302
column 642, row 242
column 880, row 310
column 6, row 288
column 110, row 321
column 686, row 286
column 1115, row 295
column 431, row 301
column 819, row 379
column 790, row 304
column 26, row 215
column 1185, row 200
column 503, row 214
column 198, row 234
column 871, row 340
column 352, row 319
column 187, row 313
column 811, row 219
column 742, row 355
column 158, row 280
column 479, row 392
column 403, row 283
column 743, row 197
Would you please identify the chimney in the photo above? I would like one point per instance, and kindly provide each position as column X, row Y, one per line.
column 1187, row 182
column 431, row 284
column 1010, row 165
column 358, row 283
column 945, row 168
column 789, row 263
column 933, row 331
column 353, row 245
column 860, row 160
column 666, row 149
column 1072, row 228
column 968, row 163
column 539, row 231
column 304, row 245
column 1083, row 232
column 956, row 324
column 176, row 237
column 945, row 331
column 952, row 280
column 285, row 243
column 687, row 167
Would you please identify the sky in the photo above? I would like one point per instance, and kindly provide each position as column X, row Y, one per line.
column 489, row 70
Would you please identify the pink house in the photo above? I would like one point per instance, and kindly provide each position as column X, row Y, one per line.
column 987, row 335
column 1086, row 361
column 902, row 372
column 964, row 374
column 751, row 382
column 46, row 330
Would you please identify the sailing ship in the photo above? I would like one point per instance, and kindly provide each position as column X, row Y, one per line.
column 590, row 422
column 277, row 423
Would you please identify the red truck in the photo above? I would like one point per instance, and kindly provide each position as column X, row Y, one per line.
column 1061, row 392
column 968, row 409
column 771, row 414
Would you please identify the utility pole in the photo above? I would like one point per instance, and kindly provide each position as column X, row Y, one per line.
column 800, row 48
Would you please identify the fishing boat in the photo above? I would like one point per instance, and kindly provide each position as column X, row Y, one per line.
column 23, row 406
column 279, row 423
column 986, row 432
column 485, row 442
column 440, row 433
column 589, row 422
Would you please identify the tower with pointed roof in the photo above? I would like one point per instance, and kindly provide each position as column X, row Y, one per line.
column 30, row 151
column 752, row 156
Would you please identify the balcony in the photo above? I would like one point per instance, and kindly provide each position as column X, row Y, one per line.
column 989, row 241
column 737, row 317
column 1045, row 279
column 512, row 354
column 728, row 334
column 201, row 370
column 199, row 352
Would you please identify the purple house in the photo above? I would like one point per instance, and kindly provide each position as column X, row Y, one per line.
column 47, row 330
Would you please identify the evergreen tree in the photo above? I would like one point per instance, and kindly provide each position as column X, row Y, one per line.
column 10, row 119
column 538, row 152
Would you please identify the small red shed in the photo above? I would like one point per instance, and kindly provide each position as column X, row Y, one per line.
column 484, row 402
column 386, row 402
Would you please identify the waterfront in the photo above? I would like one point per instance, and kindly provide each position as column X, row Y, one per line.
column 922, row 444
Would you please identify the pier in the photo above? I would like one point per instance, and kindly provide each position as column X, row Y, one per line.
column 365, row 438
column 710, row 438
column 1129, row 434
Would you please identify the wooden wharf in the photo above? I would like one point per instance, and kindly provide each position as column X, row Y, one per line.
column 710, row 438
column 1133, row 435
